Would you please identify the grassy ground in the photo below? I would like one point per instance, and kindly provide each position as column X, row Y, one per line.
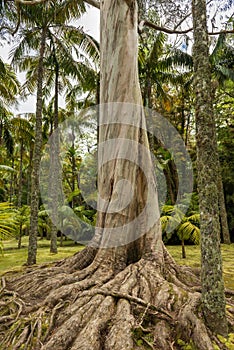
column 194, row 256
column 13, row 258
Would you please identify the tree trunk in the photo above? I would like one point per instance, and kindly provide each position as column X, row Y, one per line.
column 20, row 189
column 29, row 174
column 12, row 182
column 20, row 175
column 207, row 162
column 222, row 210
column 54, row 168
column 33, row 231
column 20, row 237
column 114, row 87
column 183, row 249
column 183, row 117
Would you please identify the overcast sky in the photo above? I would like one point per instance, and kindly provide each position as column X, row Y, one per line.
column 90, row 23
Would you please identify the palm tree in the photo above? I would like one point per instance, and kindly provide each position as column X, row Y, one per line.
column 61, row 42
column 22, row 216
column 9, row 88
column 43, row 24
column 187, row 227
column 22, row 130
column 221, row 61
column 8, row 222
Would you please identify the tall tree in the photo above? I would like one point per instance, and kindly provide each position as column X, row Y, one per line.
column 34, row 204
column 115, row 294
column 9, row 87
column 37, row 23
column 22, row 130
column 62, row 41
column 213, row 297
column 220, row 58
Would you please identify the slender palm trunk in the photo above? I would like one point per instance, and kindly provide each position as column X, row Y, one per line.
column 187, row 130
column 73, row 168
column 29, row 175
column 183, row 249
column 183, row 117
column 222, row 211
column 20, row 175
column 213, row 297
column 54, row 168
column 20, row 185
column 11, row 191
column 32, row 247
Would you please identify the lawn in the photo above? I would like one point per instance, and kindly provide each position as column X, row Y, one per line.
column 13, row 258
column 193, row 259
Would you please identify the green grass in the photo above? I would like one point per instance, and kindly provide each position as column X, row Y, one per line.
column 194, row 257
column 14, row 258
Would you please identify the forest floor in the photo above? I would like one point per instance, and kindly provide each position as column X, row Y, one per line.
column 13, row 258
column 62, row 305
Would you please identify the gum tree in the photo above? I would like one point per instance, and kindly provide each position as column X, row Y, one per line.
column 123, row 289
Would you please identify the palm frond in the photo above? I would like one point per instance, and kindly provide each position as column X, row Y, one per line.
column 7, row 222
column 177, row 58
column 187, row 231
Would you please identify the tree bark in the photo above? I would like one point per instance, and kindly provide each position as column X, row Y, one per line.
column 20, row 185
column 120, row 47
column 54, row 167
column 213, row 299
column 183, row 249
column 222, row 210
column 33, row 231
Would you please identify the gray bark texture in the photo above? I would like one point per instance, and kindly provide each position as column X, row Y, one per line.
column 213, row 298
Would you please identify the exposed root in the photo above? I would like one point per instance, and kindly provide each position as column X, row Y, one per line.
column 141, row 307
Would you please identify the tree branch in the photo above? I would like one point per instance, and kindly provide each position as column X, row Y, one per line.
column 93, row 3
column 172, row 31
column 162, row 29
column 30, row 2
column 182, row 20
column 146, row 23
column 222, row 32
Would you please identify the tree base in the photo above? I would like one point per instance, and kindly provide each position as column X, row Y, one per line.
column 144, row 306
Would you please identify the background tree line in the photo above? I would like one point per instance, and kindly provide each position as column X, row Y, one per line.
column 166, row 76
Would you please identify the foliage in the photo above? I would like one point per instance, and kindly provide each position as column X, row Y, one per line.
column 187, row 227
column 225, row 114
column 9, row 87
column 22, row 218
column 7, row 222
